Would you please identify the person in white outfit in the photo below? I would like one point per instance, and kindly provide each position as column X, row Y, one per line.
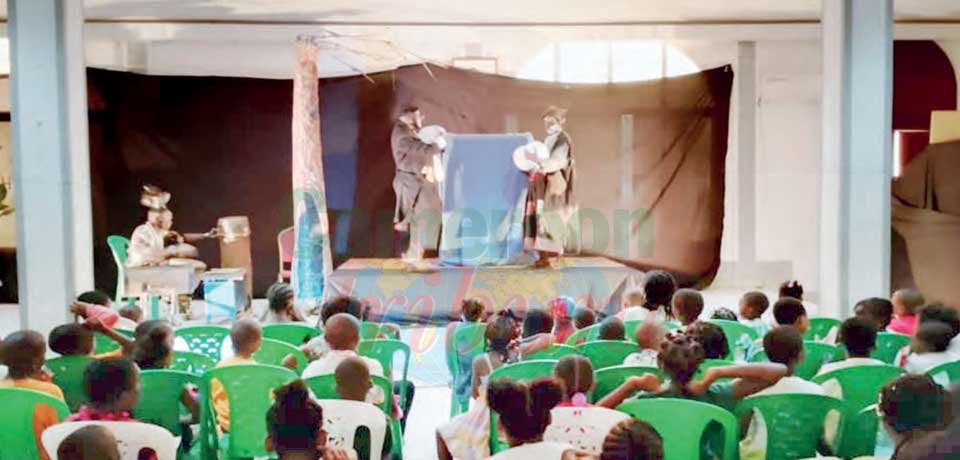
column 929, row 347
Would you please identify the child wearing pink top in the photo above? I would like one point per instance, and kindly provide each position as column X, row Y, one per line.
column 906, row 302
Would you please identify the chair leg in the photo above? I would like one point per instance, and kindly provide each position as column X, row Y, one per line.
column 396, row 439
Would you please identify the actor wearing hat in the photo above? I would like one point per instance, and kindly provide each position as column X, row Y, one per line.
column 418, row 200
column 550, row 197
column 154, row 243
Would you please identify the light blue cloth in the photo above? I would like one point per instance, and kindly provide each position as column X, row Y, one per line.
column 483, row 197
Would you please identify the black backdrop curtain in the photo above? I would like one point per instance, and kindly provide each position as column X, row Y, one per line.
column 222, row 147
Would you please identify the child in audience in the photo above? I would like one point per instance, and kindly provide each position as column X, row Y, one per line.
column 913, row 408
column 658, row 289
column 712, row 338
column 537, row 328
column 877, row 310
column 23, row 353
column 562, row 309
column 153, row 345
column 859, row 337
column 649, row 336
column 92, row 442
column 130, row 316
column 632, row 439
column 789, row 311
column 633, row 305
column 353, row 379
column 97, row 304
column 687, row 305
column 576, row 374
column 295, row 427
column 246, row 336
column 752, row 307
column 71, row 340
column 612, row 328
column 946, row 315
column 792, row 289
column 905, row 302
column 317, row 346
column 724, row 314
column 524, row 411
column 280, row 305
column 113, row 387
column 784, row 345
column 929, row 347
column 472, row 313
column 584, row 317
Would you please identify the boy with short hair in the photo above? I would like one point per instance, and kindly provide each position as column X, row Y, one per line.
column 753, row 305
column 92, row 442
column 246, row 336
column 789, row 311
column 687, row 306
column 584, row 317
column 905, row 302
column 612, row 328
column 859, row 337
column 353, row 379
column 71, row 340
column 784, row 345
column 929, row 347
column 23, row 353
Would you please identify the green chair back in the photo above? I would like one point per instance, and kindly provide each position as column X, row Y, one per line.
column 467, row 342
column 118, row 248
column 188, row 361
column 708, row 363
column 820, row 328
column 586, row 334
column 384, row 352
column 526, row 370
column 293, row 333
column 104, row 344
column 860, row 386
column 554, row 351
column 740, row 337
column 370, row 330
column 249, row 389
column 325, row 387
column 273, row 352
column 206, row 340
column 68, row 375
column 17, row 438
column 609, row 378
column 816, row 354
column 160, row 397
column 607, row 353
column 794, row 422
column 946, row 374
column 888, row 345
column 681, row 424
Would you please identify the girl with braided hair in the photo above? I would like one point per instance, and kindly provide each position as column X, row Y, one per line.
column 295, row 426
column 524, row 411
column 632, row 439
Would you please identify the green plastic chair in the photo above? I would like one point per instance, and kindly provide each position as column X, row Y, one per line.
column 104, row 344
column 740, row 337
column 249, row 389
column 68, row 375
column 946, row 374
column 681, row 423
column 160, row 391
column 610, row 378
column 794, row 422
column 206, row 340
column 888, row 345
column 526, row 370
column 384, row 351
column 468, row 342
column 293, row 333
column 816, row 354
column 709, row 363
column 587, row 334
column 554, row 351
column 860, row 386
column 188, row 361
column 118, row 248
column 17, row 439
column 370, row 330
column 273, row 352
column 820, row 328
column 607, row 353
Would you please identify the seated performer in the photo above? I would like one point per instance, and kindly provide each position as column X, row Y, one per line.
column 418, row 200
column 154, row 243
column 550, row 197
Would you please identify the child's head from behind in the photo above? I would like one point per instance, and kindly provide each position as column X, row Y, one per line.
column 132, row 312
column 112, row 384
column 753, row 305
column 584, row 317
column 353, row 379
column 576, row 374
column 472, row 310
column 612, row 328
column 23, row 353
column 877, row 310
column 341, row 304
column 632, row 439
column 789, row 311
column 712, row 338
column 295, row 421
column 687, row 305
column 680, row 357
column 71, row 340
column 280, row 298
column 859, row 336
column 658, row 289
column 792, row 289
column 932, row 337
column 940, row 313
column 634, row 297
column 537, row 322
column 500, row 332
column 246, row 336
column 784, row 345
column 562, row 310
column 95, row 298
column 906, row 302
column 914, row 402
column 524, row 408
column 153, row 344
column 91, row 442
column 650, row 335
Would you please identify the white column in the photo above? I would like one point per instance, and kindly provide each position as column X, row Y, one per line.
column 51, row 169
column 856, row 162
column 746, row 81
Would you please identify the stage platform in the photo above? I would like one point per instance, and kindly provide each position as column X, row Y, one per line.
column 397, row 294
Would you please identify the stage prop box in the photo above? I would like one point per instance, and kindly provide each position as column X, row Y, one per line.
column 483, row 196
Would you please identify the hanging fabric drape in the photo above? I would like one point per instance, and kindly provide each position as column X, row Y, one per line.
column 312, row 259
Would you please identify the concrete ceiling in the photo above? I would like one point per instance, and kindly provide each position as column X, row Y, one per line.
column 491, row 11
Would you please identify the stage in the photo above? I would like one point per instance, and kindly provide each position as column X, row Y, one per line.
column 398, row 295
